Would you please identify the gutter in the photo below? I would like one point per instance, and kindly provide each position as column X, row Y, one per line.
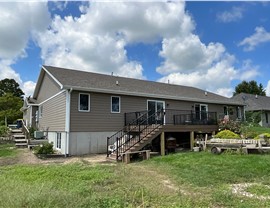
column 67, row 124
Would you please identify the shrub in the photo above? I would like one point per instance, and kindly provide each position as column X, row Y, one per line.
column 263, row 136
column 3, row 131
column 227, row 134
column 31, row 131
column 231, row 125
column 44, row 148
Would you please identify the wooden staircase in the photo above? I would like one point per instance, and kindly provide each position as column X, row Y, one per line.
column 19, row 138
column 134, row 137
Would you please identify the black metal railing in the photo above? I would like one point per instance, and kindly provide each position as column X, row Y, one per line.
column 135, row 117
column 175, row 117
column 133, row 133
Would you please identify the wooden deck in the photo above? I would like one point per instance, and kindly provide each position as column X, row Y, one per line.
column 190, row 128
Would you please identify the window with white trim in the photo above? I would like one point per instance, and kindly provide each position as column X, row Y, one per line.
column 40, row 111
column 84, row 102
column 115, row 104
column 58, row 140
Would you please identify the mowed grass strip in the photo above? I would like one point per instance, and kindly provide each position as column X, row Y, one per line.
column 84, row 185
column 211, row 176
column 177, row 180
column 8, row 150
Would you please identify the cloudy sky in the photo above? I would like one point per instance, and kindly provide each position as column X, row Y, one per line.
column 210, row 45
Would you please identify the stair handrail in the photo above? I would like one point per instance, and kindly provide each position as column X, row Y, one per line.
column 27, row 133
column 123, row 131
column 141, row 126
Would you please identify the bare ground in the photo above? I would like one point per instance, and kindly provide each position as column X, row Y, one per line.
column 25, row 156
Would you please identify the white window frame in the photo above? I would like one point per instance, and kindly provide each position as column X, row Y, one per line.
column 119, row 104
column 79, row 102
column 40, row 110
column 58, row 140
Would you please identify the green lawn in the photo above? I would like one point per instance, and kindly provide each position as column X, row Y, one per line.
column 177, row 180
column 7, row 150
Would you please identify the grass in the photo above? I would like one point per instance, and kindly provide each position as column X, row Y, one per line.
column 259, row 190
column 178, row 180
column 7, row 150
column 259, row 130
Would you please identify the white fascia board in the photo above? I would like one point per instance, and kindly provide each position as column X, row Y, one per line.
column 61, row 86
column 148, row 95
column 51, row 97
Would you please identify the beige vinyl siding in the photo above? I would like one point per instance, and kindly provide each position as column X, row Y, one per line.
column 48, row 88
column 101, row 119
column 54, row 114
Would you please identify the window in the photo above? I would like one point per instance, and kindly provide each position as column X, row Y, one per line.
column 58, row 140
column 40, row 111
column 226, row 110
column 115, row 104
column 84, row 102
column 266, row 117
column 238, row 112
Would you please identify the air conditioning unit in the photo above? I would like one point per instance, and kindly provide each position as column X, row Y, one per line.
column 38, row 134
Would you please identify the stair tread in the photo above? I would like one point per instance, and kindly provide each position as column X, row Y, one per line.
column 18, row 135
column 20, row 140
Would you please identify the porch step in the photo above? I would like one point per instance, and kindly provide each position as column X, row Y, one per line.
column 16, row 131
column 21, row 145
column 20, row 141
column 18, row 136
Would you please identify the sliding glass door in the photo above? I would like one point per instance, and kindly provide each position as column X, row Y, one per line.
column 155, row 107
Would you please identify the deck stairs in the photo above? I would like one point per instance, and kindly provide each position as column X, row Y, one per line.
column 19, row 138
column 134, row 137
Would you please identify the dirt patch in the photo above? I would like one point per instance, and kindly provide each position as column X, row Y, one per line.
column 26, row 156
column 240, row 189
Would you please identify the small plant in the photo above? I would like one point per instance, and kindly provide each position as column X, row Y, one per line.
column 227, row 134
column 3, row 131
column 31, row 131
column 265, row 136
column 44, row 148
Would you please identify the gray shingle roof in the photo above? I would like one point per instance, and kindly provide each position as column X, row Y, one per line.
column 253, row 102
column 88, row 81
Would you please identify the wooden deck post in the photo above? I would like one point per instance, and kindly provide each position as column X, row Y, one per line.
column 162, row 144
column 191, row 140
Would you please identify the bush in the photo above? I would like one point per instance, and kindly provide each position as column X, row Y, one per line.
column 44, row 148
column 31, row 131
column 231, row 125
column 3, row 131
column 263, row 136
column 227, row 134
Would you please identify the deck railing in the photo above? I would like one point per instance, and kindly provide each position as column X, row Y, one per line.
column 176, row 117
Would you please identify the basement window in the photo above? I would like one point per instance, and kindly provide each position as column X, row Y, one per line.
column 84, row 102
column 58, row 140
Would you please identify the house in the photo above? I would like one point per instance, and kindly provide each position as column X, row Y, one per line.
column 260, row 105
column 79, row 111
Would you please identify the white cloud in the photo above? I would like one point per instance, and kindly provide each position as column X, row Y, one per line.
column 268, row 88
column 216, row 79
column 248, row 71
column 235, row 14
column 19, row 21
column 188, row 54
column 96, row 40
column 259, row 37
column 7, row 72
column 28, row 88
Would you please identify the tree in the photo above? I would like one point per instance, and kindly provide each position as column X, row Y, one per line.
column 10, row 86
column 250, row 87
column 10, row 108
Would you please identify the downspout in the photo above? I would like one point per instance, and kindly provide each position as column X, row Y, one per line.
column 67, row 126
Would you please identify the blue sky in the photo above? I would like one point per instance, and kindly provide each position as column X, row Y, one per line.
column 210, row 45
